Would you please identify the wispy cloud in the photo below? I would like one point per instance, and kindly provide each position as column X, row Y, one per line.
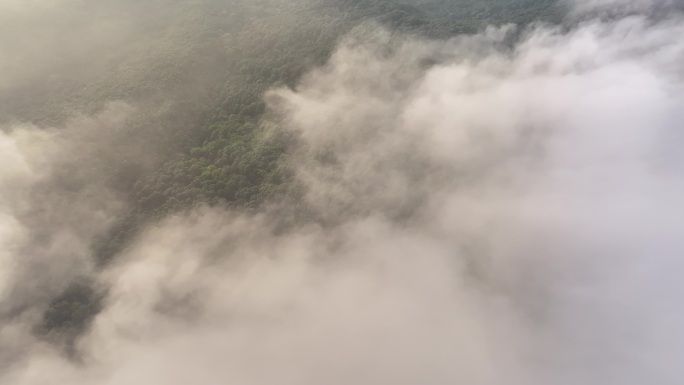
column 479, row 213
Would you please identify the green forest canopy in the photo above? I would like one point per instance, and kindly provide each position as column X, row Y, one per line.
column 196, row 72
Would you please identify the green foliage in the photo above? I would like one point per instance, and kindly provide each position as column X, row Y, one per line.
column 70, row 313
column 198, row 77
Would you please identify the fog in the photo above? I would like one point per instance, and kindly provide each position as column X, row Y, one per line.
column 496, row 208
column 47, row 41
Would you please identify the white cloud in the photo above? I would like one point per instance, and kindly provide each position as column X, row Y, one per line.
column 501, row 217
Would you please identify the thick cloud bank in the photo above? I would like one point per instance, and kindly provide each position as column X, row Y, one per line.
column 482, row 213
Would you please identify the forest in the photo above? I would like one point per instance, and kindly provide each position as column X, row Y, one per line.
column 196, row 73
column 336, row 192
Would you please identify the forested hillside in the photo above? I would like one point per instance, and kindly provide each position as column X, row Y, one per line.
column 195, row 73
column 335, row 192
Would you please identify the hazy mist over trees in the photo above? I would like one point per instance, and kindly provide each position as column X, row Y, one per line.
column 341, row 191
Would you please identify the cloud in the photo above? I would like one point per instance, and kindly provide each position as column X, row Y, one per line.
column 478, row 213
column 55, row 200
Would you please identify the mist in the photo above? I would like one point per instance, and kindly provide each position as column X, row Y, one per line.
column 494, row 208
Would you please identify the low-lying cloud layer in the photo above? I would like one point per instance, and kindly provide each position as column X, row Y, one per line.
column 481, row 213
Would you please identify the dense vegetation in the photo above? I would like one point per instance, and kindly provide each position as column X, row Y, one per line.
column 196, row 72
